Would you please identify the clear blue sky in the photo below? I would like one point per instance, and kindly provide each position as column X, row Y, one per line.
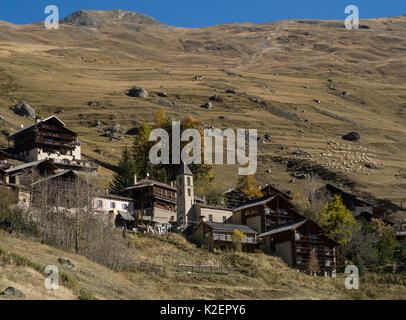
column 198, row 13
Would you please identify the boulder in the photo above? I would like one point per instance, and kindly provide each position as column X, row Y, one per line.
column 66, row 262
column 346, row 93
column 352, row 136
column 317, row 101
column 216, row 98
column 232, row 91
column 371, row 165
column 161, row 94
column 207, row 105
column 138, row 92
column 11, row 291
column 268, row 171
column 268, row 137
column 24, row 109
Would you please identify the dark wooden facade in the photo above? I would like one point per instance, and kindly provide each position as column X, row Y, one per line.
column 153, row 194
column 279, row 225
column 50, row 135
column 301, row 239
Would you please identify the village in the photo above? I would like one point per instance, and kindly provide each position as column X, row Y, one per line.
column 51, row 156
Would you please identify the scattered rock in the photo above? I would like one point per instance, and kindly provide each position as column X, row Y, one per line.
column 24, row 109
column 317, row 101
column 207, row 105
column 59, row 111
column 161, row 94
column 198, row 78
column 66, row 262
column 1, row 120
column 98, row 151
column 14, row 292
column 216, row 98
column 6, row 133
column 94, row 104
column 371, row 165
column 268, row 137
column 138, row 92
column 223, row 118
column 300, row 176
column 268, row 171
column 306, row 87
column 352, row 136
column 301, row 153
column 332, row 88
column 232, row 91
column 346, row 93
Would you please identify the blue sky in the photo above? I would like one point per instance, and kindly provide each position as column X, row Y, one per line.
column 198, row 13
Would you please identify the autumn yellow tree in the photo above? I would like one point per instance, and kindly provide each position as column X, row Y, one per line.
column 338, row 220
column 238, row 237
column 250, row 186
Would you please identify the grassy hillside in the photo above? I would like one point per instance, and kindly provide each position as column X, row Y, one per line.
column 261, row 276
column 84, row 72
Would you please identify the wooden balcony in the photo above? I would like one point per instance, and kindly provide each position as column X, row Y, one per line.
column 227, row 237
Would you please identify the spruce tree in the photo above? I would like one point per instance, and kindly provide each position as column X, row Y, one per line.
column 124, row 176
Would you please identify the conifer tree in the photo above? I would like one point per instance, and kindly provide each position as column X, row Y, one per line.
column 124, row 176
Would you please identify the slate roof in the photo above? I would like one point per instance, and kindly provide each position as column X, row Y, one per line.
column 55, row 176
column 148, row 182
column 184, row 169
column 283, row 227
column 39, row 122
column 28, row 165
column 217, row 226
column 255, row 202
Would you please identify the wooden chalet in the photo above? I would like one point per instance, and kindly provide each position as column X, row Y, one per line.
column 263, row 213
column 358, row 207
column 216, row 235
column 295, row 241
column 279, row 227
column 50, row 139
column 27, row 173
column 154, row 201
column 270, row 190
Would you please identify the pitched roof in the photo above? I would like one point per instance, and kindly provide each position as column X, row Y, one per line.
column 60, row 174
column 217, row 226
column 184, row 169
column 211, row 206
column 255, row 202
column 28, row 165
column 283, row 227
column 39, row 122
column 148, row 182
column 112, row 196
column 126, row 216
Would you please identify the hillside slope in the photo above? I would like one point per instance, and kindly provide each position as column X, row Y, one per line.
column 83, row 71
column 264, row 277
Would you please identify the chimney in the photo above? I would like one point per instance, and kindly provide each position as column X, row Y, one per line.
column 135, row 179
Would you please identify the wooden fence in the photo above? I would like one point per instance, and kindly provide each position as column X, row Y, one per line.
column 150, row 268
column 208, row 269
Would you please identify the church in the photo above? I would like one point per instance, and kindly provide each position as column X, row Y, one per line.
column 191, row 211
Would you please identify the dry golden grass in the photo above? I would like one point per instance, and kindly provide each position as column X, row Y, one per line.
column 264, row 277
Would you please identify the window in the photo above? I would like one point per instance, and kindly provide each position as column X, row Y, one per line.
column 327, row 262
column 99, row 203
column 124, row 206
column 112, row 205
column 189, row 192
column 206, row 235
column 188, row 181
column 224, row 219
column 210, row 217
column 267, row 210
